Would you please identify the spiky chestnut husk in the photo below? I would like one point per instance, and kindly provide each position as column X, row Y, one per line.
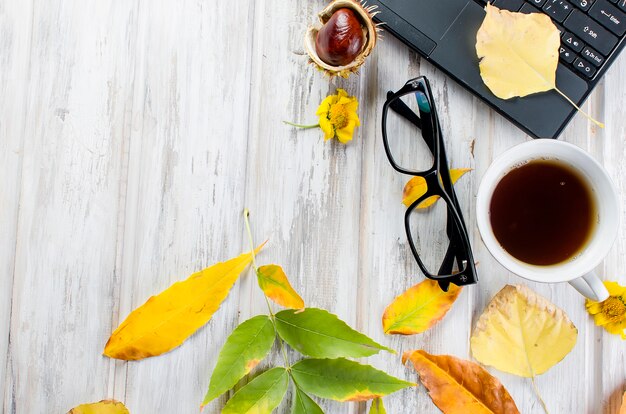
column 370, row 31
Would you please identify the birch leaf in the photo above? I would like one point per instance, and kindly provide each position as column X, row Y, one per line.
column 519, row 54
column 318, row 333
column 522, row 333
column 419, row 308
column 416, row 187
column 377, row 407
column 274, row 283
column 261, row 395
column 457, row 386
column 344, row 380
column 165, row 321
column 303, row 404
column 246, row 346
column 102, row 407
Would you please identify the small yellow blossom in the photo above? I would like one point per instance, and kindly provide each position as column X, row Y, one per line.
column 338, row 116
column 610, row 314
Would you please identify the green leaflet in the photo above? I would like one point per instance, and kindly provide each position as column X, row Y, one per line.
column 377, row 407
column 344, row 380
column 261, row 395
column 246, row 346
column 303, row 404
column 320, row 334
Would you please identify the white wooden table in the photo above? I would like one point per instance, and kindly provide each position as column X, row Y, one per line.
column 132, row 135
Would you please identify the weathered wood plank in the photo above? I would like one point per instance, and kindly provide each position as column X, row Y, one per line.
column 74, row 89
column 186, row 177
column 15, row 40
column 610, row 361
column 304, row 192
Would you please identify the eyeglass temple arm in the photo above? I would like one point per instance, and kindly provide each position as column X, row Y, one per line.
column 407, row 113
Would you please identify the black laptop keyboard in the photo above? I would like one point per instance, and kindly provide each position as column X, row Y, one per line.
column 590, row 29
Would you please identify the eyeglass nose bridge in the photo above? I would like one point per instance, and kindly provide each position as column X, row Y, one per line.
column 432, row 181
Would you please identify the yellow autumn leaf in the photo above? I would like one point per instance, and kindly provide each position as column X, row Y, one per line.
column 165, row 321
column 419, row 308
column 519, row 54
column 274, row 283
column 457, row 386
column 416, row 187
column 522, row 333
column 102, row 407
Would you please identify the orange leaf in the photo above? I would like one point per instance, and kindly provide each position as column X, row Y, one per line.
column 274, row 283
column 623, row 409
column 419, row 308
column 457, row 386
column 416, row 187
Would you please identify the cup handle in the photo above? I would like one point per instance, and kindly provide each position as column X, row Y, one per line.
column 591, row 287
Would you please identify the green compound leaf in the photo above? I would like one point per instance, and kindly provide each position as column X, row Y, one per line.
column 377, row 407
column 344, row 380
column 246, row 346
column 320, row 334
column 261, row 395
column 303, row 404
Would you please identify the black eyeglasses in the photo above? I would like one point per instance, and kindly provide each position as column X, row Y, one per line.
column 438, row 236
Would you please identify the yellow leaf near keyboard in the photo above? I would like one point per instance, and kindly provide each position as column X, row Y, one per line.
column 519, row 54
column 165, row 321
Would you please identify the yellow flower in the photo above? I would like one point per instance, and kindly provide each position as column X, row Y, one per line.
column 610, row 314
column 338, row 116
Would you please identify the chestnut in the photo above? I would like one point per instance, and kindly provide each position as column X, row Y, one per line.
column 341, row 38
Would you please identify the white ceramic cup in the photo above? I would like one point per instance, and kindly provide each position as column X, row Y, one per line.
column 578, row 271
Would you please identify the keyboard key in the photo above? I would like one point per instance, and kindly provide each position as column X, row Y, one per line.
column 572, row 42
column 537, row 3
column 592, row 56
column 583, row 4
column 527, row 9
column 590, row 32
column 557, row 9
column 566, row 54
column 622, row 4
column 584, row 67
column 610, row 16
column 510, row 5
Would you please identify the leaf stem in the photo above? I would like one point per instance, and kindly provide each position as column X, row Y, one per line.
column 543, row 403
column 281, row 344
column 246, row 215
column 301, row 126
column 598, row 123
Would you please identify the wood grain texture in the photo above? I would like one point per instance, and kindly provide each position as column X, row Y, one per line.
column 15, row 40
column 132, row 136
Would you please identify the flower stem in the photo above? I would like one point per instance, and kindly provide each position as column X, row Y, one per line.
column 281, row 344
column 301, row 126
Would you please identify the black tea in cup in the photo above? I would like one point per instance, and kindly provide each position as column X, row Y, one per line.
column 543, row 212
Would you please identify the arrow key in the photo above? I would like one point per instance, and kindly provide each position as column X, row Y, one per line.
column 584, row 67
column 572, row 42
column 566, row 55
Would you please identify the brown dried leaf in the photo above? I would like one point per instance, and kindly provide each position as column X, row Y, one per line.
column 457, row 386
